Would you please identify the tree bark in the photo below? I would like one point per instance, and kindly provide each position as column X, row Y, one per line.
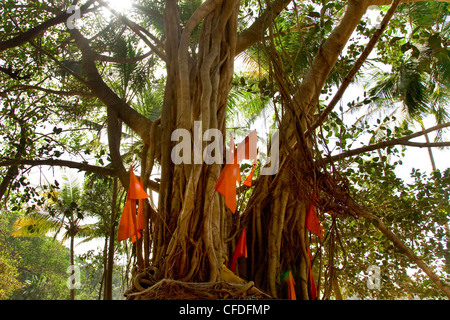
column 112, row 235
column 72, row 263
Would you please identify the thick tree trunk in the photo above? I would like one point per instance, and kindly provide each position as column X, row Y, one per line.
column 189, row 225
column 300, row 179
column 192, row 226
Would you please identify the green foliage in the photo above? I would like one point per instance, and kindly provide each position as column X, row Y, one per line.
column 416, row 212
column 92, row 266
column 40, row 263
column 8, row 275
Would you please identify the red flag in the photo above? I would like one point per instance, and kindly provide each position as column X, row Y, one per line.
column 311, row 283
column 240, row 251
column 312, row 222
column 291, row 287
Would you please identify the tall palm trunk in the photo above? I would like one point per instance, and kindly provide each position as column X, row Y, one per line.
column 72, row 263
column 110, row 254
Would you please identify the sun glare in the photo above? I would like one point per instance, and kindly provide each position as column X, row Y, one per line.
column 120, row 6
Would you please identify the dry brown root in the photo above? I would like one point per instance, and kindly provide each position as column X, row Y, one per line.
column 167, row 289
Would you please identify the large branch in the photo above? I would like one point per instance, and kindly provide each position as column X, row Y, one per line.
column 255, row 32
column 137, row 122
column 362, row 58
column 153, row 185
column 306, row 97
column 50, row 91
column 308, row 93
column 60, row 163
column 32, row 33
column 399, row 141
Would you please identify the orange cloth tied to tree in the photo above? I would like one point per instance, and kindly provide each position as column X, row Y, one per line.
column 226, row 184
column 240, row 251
column 291, row 287
column 130, row 225
column 312, row 222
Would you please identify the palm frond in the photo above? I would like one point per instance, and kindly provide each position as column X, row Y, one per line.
column 35, row 224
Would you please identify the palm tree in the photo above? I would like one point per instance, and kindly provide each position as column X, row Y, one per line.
column 418, row 84
column 61, row 211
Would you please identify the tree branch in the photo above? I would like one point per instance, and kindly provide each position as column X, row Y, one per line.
column 427, row 144
column 50, row 91
column 100, row 57
column 362, row 58
column 60, row 163
column 399, row 141
column 26, row 36
column 114, row 134
column 255, row 32
column 306, row 98
column 137, row 122
column 378, row 223
column 153, row 185
column 12, row 171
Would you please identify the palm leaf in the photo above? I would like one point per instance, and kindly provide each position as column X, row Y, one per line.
column 35, row 224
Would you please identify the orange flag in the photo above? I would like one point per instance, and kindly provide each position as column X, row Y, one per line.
column 135, row 190
column 226, row 184
column 291, row 287
column 240, row 251
column 248, row 180
column 140, row 214
column 312, row 222
column 130, row 225
column 126, row 226
column 311, row 283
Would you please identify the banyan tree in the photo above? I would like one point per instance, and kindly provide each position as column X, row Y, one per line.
column 291, row 214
